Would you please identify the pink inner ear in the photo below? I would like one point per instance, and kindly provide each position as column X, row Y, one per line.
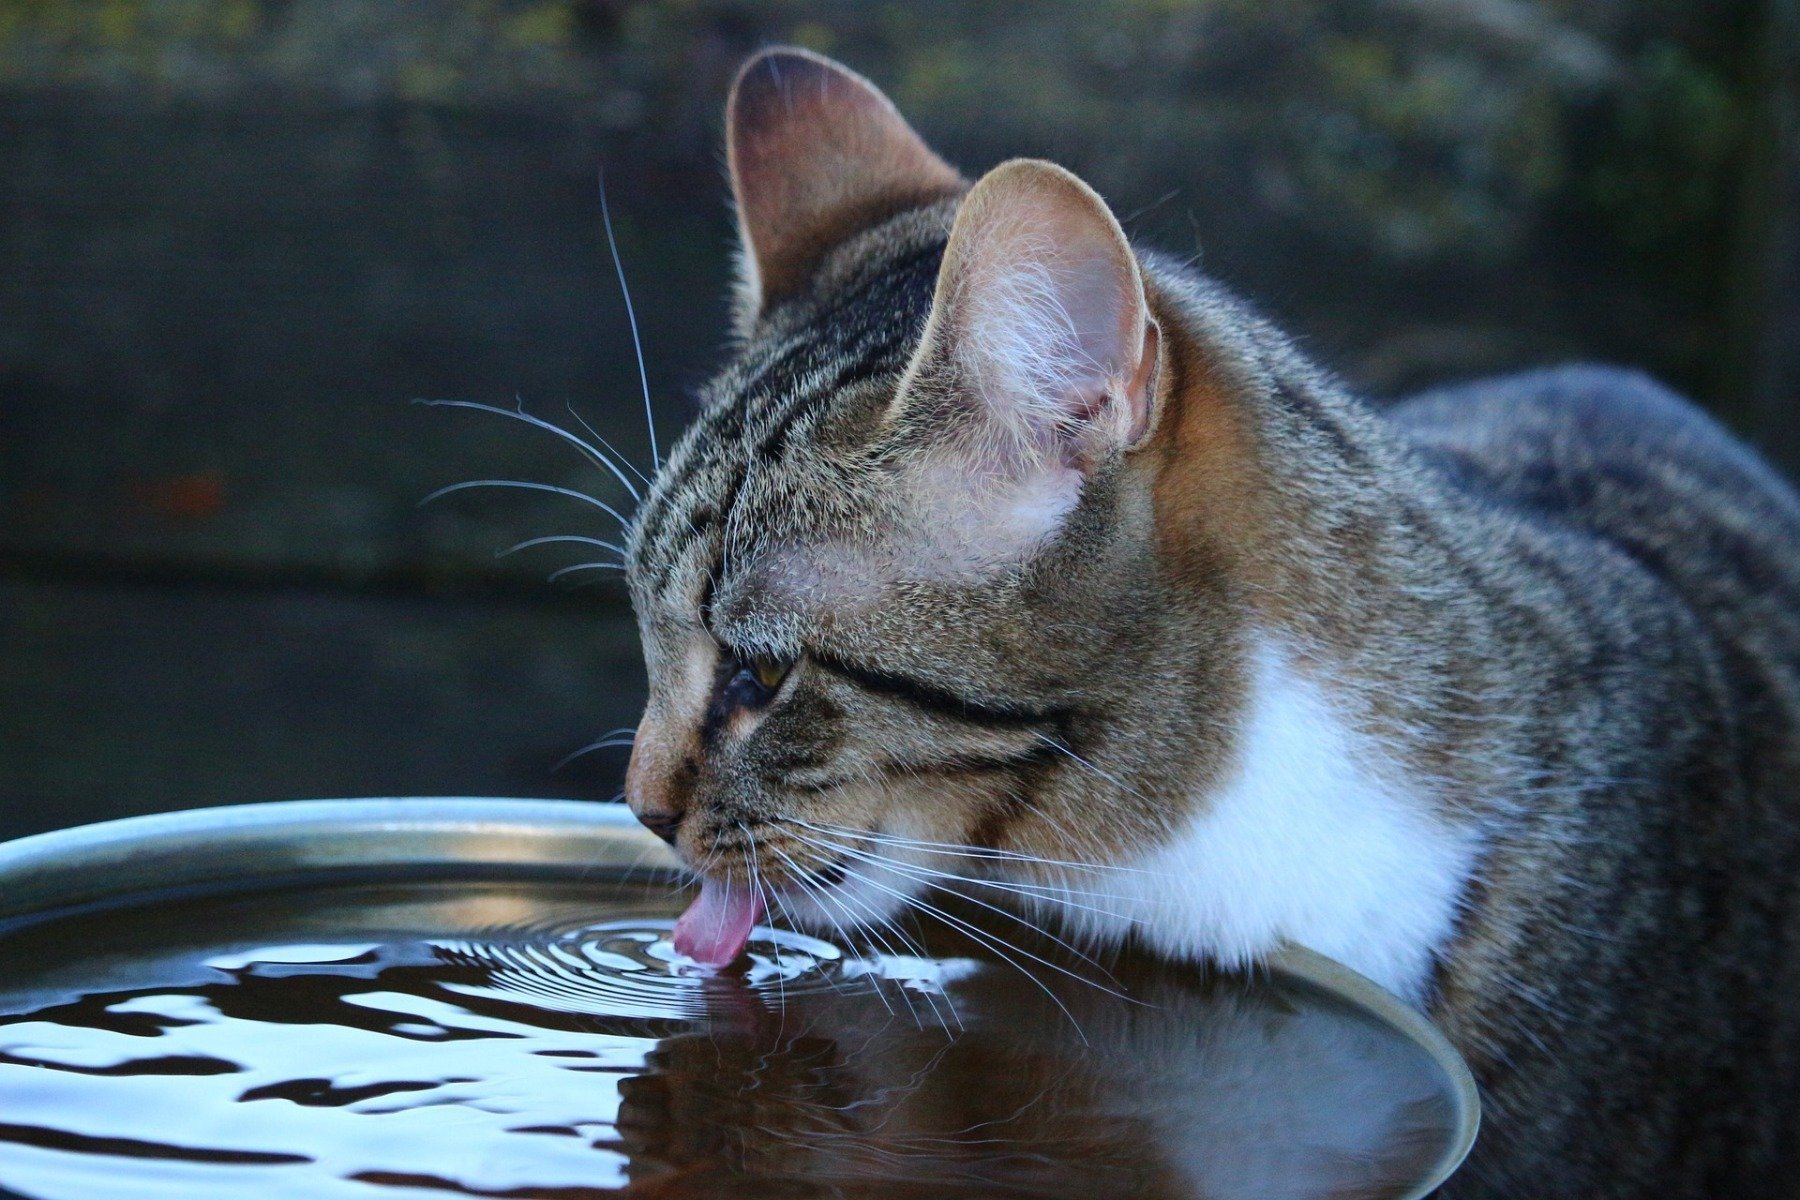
column 1100, row 298
column 1048, row 312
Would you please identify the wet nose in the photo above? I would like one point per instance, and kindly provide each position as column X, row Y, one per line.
column 663, row 824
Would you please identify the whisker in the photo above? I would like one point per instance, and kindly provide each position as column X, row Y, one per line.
column 822, row 896
column 637, row 863
column 631, row 316
column 592, row 566
column 874, row 923
column 817, row 892
column 1037, row 891
column 969, row 927
column 1112, row 779
column 788, row 914
column 608, row 509
column 963, row 850
column 528, row 543
column 994, row 943
column 612, row 449
column 519, row 414
column 942, row 880
column 605, row 743
column 903, row 868
column 761, row 891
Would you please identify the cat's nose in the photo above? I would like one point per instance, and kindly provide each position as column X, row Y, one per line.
column 651, row 791
column 663, row 824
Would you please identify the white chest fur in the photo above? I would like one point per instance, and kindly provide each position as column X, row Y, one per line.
column 1317, row 839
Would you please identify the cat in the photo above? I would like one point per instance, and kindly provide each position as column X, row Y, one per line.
column 1002, row 548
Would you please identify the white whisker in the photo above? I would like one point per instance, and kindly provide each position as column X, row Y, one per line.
column 610, row 448
column 1112, row 779
column 519, row 414
column 631, row 316
column 962, row 850
column 818, row 893
column 993, row 942
column 608, row 509
column 761, row 891
column 610, row 740
column 874, row 922
column 788, row 914
column 528, row 543
column 592, row 566
column 922, row 875
column 1036, row 891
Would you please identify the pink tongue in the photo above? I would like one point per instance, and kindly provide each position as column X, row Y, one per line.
column 716, row 927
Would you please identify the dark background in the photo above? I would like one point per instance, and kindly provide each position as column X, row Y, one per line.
column 237, row 237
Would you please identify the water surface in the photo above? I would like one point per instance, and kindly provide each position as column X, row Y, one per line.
column 542, row 1040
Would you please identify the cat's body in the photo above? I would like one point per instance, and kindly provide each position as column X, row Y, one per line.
column 1046, row 547
column 1627, row 977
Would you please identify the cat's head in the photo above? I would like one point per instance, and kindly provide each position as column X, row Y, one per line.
column 906, row 579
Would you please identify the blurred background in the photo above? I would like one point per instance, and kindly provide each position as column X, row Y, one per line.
column 239, row 237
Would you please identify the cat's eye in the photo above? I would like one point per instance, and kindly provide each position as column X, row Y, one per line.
column 749, row 682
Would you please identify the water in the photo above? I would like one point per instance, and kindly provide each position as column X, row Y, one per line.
column 541, row 1040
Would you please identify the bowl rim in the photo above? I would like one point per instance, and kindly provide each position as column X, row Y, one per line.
column 253, row 847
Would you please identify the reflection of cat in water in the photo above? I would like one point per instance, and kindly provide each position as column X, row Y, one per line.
column 1200, row 1091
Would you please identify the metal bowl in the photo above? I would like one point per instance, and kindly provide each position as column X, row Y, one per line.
column 253, row 848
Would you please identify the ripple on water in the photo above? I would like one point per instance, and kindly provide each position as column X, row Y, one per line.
column 498, row 1039
column 629, row 968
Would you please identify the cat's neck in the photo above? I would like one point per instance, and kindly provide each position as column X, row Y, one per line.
column 1376, row 745
column 1343, row 548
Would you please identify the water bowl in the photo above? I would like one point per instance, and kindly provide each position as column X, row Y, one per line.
column 423, row 998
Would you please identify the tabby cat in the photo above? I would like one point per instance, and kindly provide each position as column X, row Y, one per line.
column 1002, row 545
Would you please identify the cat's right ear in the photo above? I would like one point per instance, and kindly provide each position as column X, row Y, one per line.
column 1039, row 365
column 816, row 153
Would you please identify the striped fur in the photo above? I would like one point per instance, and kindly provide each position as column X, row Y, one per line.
column 1535, row 730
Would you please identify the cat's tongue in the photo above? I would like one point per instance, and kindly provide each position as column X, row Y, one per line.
column 716, row 926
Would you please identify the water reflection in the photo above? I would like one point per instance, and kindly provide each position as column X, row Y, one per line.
column 370, row 1042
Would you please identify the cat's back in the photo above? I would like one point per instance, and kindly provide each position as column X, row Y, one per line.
column 1613, row 454
column 1600, row 493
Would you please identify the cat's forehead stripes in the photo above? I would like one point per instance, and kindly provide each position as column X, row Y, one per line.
column 813, row 352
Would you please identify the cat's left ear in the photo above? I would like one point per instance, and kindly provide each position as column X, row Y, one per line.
column 816, row 153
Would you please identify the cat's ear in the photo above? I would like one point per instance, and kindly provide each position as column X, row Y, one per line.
column 1038, row 364
column 1040, row 321
column 816, row 153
